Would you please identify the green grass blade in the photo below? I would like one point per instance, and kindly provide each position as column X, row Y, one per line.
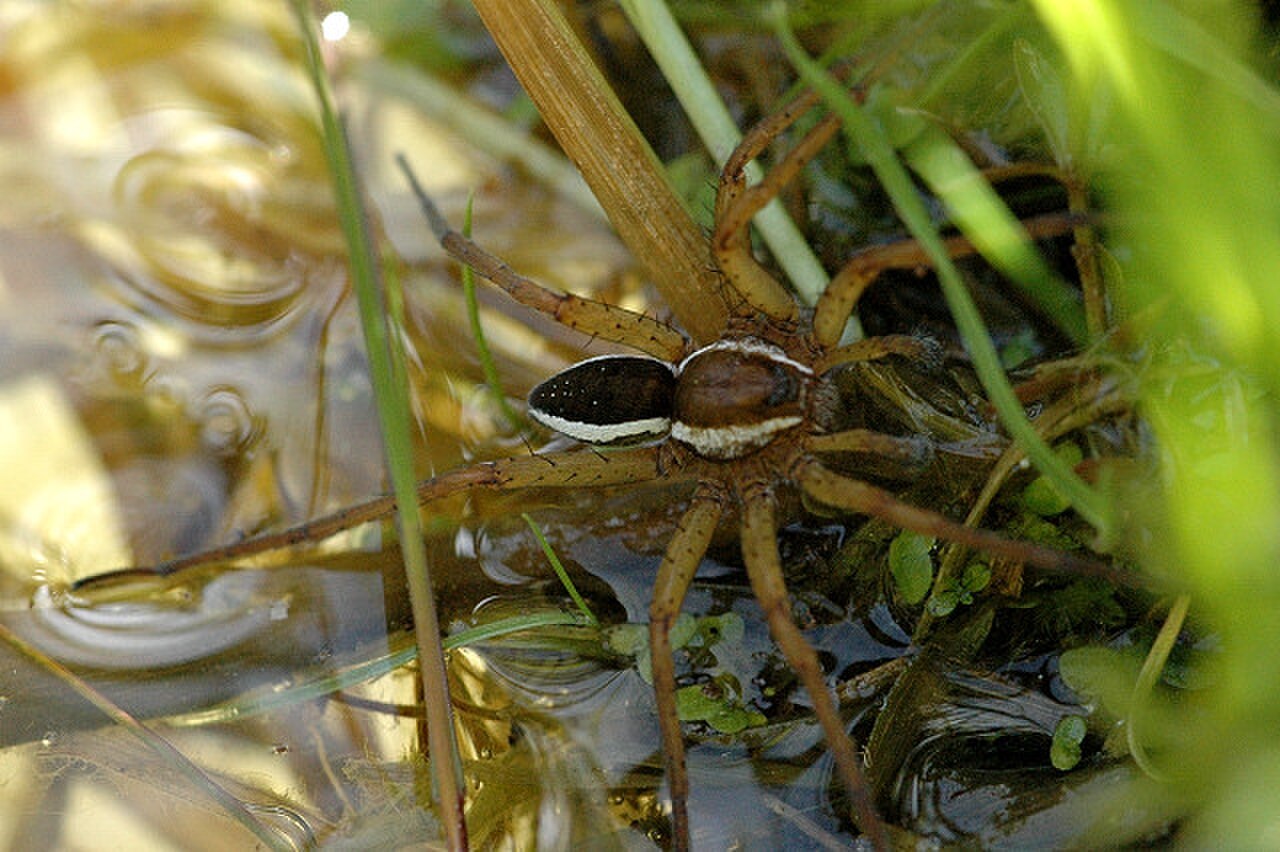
column 1191, row 177
column 1148, row 678
column 491, row 377
column 976, row 208
column 558, row 567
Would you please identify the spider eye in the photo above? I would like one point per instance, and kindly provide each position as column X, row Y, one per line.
column 607, row 400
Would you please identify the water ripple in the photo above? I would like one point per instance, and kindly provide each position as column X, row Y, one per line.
column 154, row 633
column 206, row 237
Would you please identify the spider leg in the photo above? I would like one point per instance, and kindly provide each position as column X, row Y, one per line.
column 922, row 349
column 592, row 318
column 865, row 266
column 679, row 564
column 737, row 203
column 856, row 496
column 760, row 552
column 574, row 469
column 911, row 453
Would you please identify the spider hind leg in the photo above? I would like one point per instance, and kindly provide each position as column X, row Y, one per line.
column 764, row 569
column 679, row 564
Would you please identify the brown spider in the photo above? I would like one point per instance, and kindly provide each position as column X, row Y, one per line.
column 741, row 418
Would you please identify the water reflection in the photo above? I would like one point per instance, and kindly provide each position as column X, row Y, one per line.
column 227, row 424
column 173, row 319
column 160, row 648
column 174, row 260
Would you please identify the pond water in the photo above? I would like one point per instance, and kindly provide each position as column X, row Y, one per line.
column 181, row 366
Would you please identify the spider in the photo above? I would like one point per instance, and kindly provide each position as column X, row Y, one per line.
column 743, row 420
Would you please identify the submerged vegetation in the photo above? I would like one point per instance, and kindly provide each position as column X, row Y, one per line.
column 1130, row 351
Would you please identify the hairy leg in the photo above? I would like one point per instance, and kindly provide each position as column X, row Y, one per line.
column 760, row 552
column 592, row 318
column 684, row 553
column 572, row 469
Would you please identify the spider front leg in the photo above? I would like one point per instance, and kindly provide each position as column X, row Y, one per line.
column 573, row 469
column 592, row 318
column 737, row 203
column 679, row 564
column 764, row 569
column 865, row 266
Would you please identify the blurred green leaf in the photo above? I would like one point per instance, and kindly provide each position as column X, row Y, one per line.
column 1042, row 87
column 1102, row 675
column 1041, row 496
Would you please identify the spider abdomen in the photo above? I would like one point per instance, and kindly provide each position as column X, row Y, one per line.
column 734, row 396
column 608, row 400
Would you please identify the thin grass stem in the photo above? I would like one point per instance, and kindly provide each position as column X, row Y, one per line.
column 558, row 567
column 1148, row 677
column 394, row 419
column 491, row 377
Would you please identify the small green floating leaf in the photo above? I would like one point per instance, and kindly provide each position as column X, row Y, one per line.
column 727, row 629
column 683, row 630
column 975, row 578
column 943, row 602
column 1064, row 752
column 632, row 640
column 626, row 639
column 1102, row 675
column 1034, row 528
column 911, row 565
column 716, row 705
